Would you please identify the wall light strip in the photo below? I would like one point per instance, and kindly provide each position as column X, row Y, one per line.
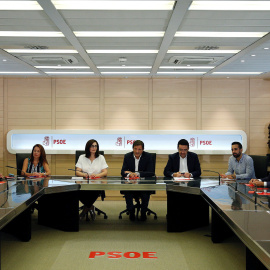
column 122, row 51
column 114, row 5
column 204, row 51
column 220, row 34
column 230, row 5
column 30, row 33
column 125, row 67
column 20, row 5
column 238, row 73
column 39, row 51
column 63, row 67
column 118, row 34
column 185, row 67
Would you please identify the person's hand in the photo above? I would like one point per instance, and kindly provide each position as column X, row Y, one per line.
column 187, row 175
column 258, row 183
column 132, row 175
column 253, row 181
column 177, row 174
column 93, row 175
column 1, row 175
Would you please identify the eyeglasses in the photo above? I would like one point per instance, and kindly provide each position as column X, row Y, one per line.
column 93, row 146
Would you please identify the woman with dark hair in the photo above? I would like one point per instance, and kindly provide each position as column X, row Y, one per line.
column 92, row 165
column 36, row 164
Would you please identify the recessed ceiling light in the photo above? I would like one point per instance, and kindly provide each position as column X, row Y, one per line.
column 4, row 60
column 186, row 67
column 253, row 55
column 20, row 5
column 39, row 51
column 18, row 72
column 204, row 51
column 122, row 51
column 30, row 33
column 219, row 34
column 128, row 67
column 64, row 67
column 125, row 72
column 242, row 61
column 239, row 73
column 118, row 34
column 178, row 72
column 114, row 5
column 228, row 77
column 230, row 5
column 68, row 72
column 266, row 48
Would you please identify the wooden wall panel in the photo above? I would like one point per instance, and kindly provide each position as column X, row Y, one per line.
column 126, row 104
column 77, row 104
column 259, row 116
column 224, row 105
column 174, row 104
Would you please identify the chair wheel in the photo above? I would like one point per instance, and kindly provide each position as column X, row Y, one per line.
column 155, row 217
column 120, row 217
column 105, row 217
column 148, row 213
column 98, row 213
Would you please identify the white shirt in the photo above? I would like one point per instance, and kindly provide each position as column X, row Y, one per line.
column 183, row 165
column 93, row 167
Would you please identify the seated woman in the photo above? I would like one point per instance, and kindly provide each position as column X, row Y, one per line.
column 91, row 165
column 1, row 175
column 37, row 164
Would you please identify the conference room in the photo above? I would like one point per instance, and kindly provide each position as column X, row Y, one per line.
column 71, row 71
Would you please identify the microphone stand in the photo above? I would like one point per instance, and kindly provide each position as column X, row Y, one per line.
column 15, row 168
column 79, row 171
column 214, row 172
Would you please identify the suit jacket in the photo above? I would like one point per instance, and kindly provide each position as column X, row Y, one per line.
column 146, row 164
column 173, row 164
column 267, row 179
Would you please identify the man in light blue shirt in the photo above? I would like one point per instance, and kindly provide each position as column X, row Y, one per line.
column 240, row 165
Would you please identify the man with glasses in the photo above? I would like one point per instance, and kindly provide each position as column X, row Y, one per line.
column 183, row 163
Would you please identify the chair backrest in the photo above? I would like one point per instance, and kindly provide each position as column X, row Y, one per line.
column 81, row 152
column 154, row 157
column 260, row 165
column 20, row 157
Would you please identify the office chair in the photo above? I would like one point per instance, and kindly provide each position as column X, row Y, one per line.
column 102, row 192
column 260, row 165
column 20, row 157
column 138, row 205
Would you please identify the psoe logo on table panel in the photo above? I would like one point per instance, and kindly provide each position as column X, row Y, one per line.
column 119, row 255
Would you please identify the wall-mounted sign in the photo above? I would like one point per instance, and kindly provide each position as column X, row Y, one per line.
column 120, row 141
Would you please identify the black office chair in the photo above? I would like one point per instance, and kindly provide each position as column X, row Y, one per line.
column 102, row 193
column 138, row 204
column 260, row 165
column 20, row 157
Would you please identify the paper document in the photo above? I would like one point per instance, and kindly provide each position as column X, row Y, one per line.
column 180, row 179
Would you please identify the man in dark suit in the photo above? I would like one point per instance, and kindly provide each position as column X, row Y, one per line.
column 137, row 164
column 183, row 163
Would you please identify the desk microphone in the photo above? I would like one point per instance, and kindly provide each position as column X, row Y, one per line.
column 79, row 171
column 255, row 194
column 214, row 172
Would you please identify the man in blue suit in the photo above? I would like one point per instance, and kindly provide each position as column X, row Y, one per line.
column 183, row 163
column 137, row 164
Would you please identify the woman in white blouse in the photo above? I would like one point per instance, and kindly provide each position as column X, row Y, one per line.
column 92, row 165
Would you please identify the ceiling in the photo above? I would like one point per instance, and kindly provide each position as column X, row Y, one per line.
column 166, row 42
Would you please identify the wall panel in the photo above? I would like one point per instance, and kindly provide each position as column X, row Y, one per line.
column 139, row 104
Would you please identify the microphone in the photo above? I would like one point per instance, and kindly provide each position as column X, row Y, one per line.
column 79, row 171
column 15, row 168
column 214, row 172
column 255, row 194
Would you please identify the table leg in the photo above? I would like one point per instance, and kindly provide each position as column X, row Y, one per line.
column 59, row 211
column 252, row 262
column 186, row 212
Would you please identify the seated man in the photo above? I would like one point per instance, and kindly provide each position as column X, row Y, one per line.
column 264, row 182
column 240, row 165
column 183, row 163
column 137, row 164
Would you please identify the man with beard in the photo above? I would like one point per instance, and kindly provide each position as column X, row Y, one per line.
column 240, row 165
